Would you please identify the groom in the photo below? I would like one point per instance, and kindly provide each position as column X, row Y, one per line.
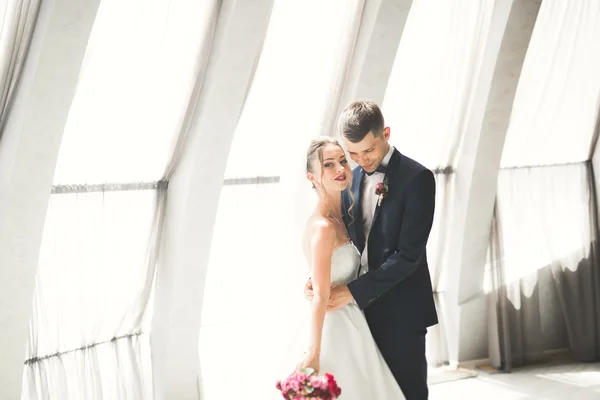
column 390, row 221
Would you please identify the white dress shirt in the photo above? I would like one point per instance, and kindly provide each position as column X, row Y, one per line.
column 369, row 203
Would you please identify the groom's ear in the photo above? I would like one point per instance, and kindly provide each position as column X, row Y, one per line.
column 386, row 133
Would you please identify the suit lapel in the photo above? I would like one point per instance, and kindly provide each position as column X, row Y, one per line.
column 359, row 234
column 391, row 168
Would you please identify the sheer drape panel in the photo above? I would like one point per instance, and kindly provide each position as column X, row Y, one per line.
column 576, row 272
column 295, row 91
column 341, row 82
column 549, row 261
column 428, row 105
column 18, row 20
column 124, row 134
column 118, row 369
column 595, row 273
column 545, row 195
column 145, row 95
column 434, row 78
column 86, row 294
column 554, row 113
column 257, row 330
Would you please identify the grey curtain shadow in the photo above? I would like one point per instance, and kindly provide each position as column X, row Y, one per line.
column 562, row 310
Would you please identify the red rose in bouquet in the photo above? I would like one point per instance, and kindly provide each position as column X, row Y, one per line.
column 305, row 384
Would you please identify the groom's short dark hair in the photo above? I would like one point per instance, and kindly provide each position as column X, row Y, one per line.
column 359, row 118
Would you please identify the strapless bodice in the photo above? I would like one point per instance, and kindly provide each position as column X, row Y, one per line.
column 345, row 262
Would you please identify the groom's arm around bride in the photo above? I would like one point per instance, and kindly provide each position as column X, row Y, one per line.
column 396, row 292
column 409, row 221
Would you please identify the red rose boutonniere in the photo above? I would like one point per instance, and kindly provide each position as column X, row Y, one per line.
column 381, row 190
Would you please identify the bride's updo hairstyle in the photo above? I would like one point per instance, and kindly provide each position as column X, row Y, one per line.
column 314, row 159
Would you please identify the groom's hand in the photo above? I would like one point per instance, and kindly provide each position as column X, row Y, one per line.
column 339, row 297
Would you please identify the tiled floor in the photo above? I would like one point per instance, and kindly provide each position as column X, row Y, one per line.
column 556, row 382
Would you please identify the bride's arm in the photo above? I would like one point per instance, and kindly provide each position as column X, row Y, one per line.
column 322, row 244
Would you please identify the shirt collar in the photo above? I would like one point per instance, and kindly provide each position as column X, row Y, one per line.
column 388, row 156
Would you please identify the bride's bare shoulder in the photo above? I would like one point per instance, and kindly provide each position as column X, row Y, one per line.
column 319, row 224
column 318, row 227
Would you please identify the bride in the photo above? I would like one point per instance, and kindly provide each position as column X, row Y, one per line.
column 339, row 342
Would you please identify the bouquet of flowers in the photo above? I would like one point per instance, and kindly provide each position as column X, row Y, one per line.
column 305, row 384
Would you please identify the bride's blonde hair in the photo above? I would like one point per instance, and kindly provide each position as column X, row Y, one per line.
column 314, row 156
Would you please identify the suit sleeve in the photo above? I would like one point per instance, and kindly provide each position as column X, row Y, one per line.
column 417, row 219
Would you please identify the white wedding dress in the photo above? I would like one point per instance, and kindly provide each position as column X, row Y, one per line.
column 348, row 350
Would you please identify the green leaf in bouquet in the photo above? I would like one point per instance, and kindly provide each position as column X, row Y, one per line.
column 307, row 371
column 309, row 389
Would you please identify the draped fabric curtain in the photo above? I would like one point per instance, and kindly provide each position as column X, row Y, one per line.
column 548, row 257
column 253, row 302
column 137, row 90
column 432, row 90
column 19, row 19
column 546, row 206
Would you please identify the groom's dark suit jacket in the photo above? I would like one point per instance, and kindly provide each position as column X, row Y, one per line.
column 396, row 293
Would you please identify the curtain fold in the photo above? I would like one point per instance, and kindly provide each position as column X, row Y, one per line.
column 94, row 287
column 546, row 194
column 557, row 99
column 19, row 19
column 549, row 263
column 576, row 275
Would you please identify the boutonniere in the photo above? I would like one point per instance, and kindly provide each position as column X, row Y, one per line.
column 381, row 190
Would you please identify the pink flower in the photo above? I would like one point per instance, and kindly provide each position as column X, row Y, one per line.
column 294, row 385
column 300, row 377
column 301, row 386
column 318, row 382
column 381, row 188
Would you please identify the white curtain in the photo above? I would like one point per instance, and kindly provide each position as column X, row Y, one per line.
column 547, row 226
column 431, row 94
column 546, row 212
column 256, row 274
column 556, row 104
column 18, row 20
column 96, row 268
